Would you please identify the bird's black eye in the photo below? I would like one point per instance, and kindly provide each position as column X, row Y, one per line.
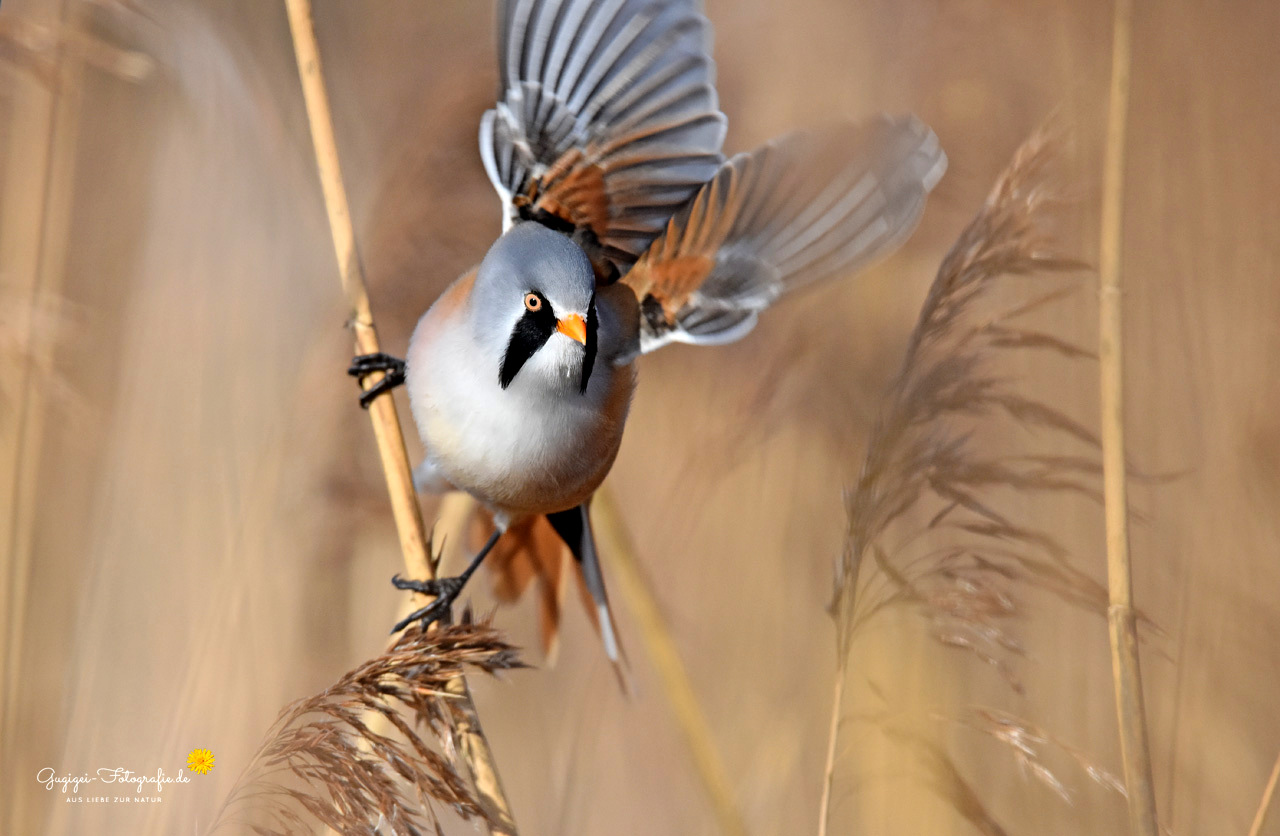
column 532, row 302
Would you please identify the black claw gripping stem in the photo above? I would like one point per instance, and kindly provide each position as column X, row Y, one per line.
column 446, row 590
column 364, row 365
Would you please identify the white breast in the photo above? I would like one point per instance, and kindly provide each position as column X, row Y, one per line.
column 524, row 449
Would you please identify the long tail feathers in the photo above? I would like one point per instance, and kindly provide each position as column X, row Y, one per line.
column 531, row 553
column 593, row 581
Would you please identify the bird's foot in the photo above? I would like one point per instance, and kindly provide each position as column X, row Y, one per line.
column 364, row 365
column 445, row 590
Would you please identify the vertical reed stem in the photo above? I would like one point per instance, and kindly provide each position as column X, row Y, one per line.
column 842, row 609
column 35, row 225
column 1120, row 614
column 475, row 750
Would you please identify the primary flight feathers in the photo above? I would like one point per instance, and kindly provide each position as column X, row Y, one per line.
column 607, row 120
column 608, row 128
column 798, row 209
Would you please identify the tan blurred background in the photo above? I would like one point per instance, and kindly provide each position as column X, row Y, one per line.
column 193, row 529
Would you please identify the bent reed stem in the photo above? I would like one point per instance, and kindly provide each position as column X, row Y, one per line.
column 1264, row 806
column 475, row 749
column 619, row 555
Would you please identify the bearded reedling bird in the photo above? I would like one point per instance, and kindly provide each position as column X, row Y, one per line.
column 624, row 229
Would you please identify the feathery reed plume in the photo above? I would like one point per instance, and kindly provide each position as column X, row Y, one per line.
column 474, row 747
column 945, row 778
column 323, row 760
column 1030, row 743
column 922, row 460
column 921, row 446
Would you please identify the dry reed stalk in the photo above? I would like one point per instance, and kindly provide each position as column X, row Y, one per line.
column 960, row 569
column 829, row 766
column 324, row 759
column 618, row 553
column 382, row 412
column 1126, row 670
column 34, row 229
column 1264, row 806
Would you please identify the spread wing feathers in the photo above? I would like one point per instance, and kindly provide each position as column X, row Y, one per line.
column 607, row 121
column 799, row 209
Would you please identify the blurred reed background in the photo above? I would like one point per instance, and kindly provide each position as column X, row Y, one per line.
column 195, row 531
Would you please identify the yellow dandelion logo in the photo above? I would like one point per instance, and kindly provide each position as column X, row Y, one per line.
column 200, row 760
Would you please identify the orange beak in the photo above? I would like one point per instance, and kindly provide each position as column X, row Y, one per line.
column 573, row 327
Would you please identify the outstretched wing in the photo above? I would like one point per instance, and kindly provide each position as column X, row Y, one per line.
column 607, row 120
column 799, row 209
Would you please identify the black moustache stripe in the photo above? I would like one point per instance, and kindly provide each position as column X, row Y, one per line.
column 589, row 360
column 531, row 333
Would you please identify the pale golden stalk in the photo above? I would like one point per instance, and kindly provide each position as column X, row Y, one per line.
column 829, row 768
column 1120, row 614
column 382, row 412
column 35, row 222
column 1260, row 818
column 618, row 554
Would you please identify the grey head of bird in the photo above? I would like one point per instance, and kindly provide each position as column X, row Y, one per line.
column 533, row 310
